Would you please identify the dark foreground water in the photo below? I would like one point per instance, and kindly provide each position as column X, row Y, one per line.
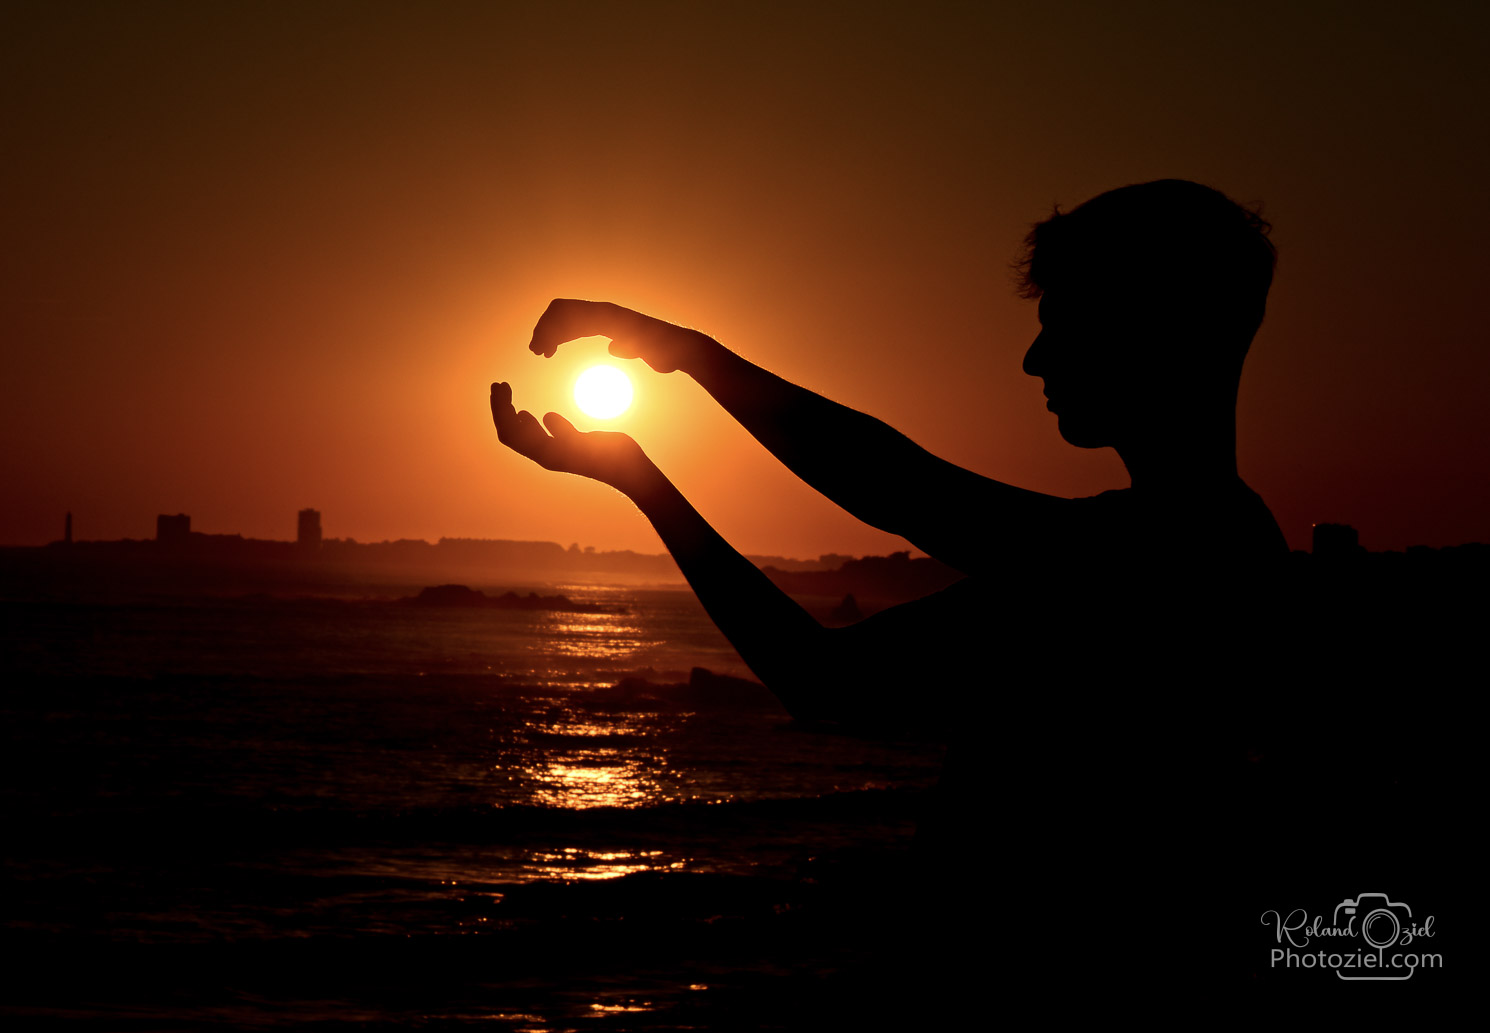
column 248, row 812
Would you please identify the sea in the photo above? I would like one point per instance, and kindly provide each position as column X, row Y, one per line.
column 347, row 811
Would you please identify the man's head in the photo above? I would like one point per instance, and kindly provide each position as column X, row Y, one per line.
column 1149, row 297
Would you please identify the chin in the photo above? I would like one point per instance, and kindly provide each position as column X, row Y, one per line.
column 1082, row 433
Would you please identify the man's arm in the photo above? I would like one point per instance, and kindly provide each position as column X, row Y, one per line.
column 862, row 464
column 874, row 471
column 819, row 674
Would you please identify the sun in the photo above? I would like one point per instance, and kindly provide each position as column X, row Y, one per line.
column 603, row 392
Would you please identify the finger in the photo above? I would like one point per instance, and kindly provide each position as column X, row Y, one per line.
column 501, row 408
column 559, row 323
column 526, row 436
column 568, row 319
column 558, row 425
column 528, row 424
column 624, row 350
column 543, row 330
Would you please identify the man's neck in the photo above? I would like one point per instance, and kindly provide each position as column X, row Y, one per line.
column 1197, row 458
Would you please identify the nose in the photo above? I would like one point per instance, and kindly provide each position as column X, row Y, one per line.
column 1034, row 359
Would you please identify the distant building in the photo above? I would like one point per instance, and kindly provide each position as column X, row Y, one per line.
column 1336, row 540
column 308, row 532
column 172, row 530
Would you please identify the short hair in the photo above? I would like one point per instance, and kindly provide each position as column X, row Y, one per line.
column 1211, row 255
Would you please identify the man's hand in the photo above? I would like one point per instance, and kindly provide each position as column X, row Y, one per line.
column 663, row 346
column 606, row 456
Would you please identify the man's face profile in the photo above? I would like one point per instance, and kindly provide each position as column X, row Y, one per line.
column 1088, row 355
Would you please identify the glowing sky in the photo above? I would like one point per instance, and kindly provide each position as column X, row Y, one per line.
column 267, row 256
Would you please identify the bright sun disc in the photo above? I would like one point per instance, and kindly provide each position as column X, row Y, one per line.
column 602, row 392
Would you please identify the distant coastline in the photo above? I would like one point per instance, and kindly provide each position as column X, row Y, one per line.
column 184, row 562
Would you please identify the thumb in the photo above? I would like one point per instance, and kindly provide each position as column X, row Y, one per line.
column 624, row 350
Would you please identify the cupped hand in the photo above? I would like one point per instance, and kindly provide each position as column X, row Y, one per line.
column 662, row 345
column 606, row 456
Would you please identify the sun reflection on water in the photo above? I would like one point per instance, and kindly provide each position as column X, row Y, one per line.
column 574, row 863
column 591, row 729
column 578, row 759
column 595, row 637
column 631, row 1006
column 595, row 778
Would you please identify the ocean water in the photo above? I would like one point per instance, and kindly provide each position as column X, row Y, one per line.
column 249, row 811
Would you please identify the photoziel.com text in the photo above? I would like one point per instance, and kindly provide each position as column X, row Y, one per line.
column 1290, row 958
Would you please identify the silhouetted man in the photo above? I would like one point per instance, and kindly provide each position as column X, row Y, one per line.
column 1059, row 667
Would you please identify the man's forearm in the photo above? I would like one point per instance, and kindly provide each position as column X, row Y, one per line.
column 775, row 637
column 861, row 463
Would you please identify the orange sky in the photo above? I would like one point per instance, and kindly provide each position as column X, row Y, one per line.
column 259, row 258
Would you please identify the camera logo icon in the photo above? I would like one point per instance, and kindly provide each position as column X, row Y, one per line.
column 1377, row 920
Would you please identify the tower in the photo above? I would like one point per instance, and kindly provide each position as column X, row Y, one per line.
column 172, row 530
column 308, row 530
